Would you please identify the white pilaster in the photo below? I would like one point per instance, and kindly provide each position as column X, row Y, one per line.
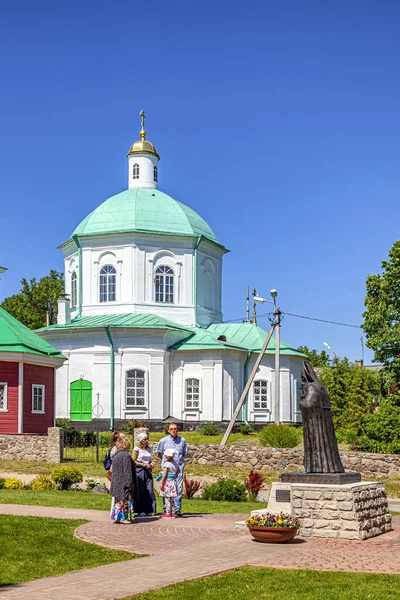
column 20, row 397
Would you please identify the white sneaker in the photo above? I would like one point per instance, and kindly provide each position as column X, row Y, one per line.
column 142, row 514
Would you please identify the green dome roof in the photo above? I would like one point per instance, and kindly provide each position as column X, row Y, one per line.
column 147, row 210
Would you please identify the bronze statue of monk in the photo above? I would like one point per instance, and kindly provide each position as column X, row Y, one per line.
column 321, row 453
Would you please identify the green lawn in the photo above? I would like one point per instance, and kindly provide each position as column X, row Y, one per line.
column 85, row 500
column 251, row 583
column 35, row 547
column 93, row 469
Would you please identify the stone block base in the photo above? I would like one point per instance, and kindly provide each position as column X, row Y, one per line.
column 331, row 478
column 356, row 511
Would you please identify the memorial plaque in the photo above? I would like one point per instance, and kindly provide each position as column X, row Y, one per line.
column 282, row 496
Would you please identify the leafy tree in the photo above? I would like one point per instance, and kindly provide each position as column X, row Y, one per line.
column 354, row 392
column 35, row 298
column 314, row 358
column 382, row 319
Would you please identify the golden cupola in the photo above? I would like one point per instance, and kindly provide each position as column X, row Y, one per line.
column 142, row 162
column 143, row 146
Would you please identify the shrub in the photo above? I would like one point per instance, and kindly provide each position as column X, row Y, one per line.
column 279, row 436
column 43, row 484
column 105, row 438
column 12, row 483
column 246, row 429
column 65, row 477
column 92, row 483
column 209, row 429
column 253, row 484
column 131, row 425
column 229, row 490
column 2, row 482
column 27, row 486
column 191, row 487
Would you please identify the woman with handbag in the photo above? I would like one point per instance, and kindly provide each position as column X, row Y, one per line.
column 123, row 483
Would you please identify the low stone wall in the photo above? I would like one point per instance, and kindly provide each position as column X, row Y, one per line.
column 357, row 511
column 33, row 448
column 288, row 459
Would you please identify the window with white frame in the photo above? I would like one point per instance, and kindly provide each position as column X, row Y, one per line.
column 37, row 398
column 135, row 396
column 3, row 397
column 108, row 282
column 155, row 173
column 135, row 171
column 74, row 290
column 260, row 394
column 192, row 393
column 164, row 280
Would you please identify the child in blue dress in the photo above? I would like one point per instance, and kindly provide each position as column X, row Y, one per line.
column 168, row 483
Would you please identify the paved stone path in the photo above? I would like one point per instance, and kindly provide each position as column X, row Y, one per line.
column 196, row 546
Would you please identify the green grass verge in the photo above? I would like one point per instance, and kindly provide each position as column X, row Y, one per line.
column 35, row 547
column 250, row 583
column 85, row 500
column 93, row 469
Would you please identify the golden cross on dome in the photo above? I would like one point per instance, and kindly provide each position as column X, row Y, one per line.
column 142, row 133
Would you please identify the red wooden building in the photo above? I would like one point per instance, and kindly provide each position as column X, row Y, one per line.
column 27, row 378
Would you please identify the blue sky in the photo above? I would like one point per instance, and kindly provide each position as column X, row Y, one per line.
column 277, row 121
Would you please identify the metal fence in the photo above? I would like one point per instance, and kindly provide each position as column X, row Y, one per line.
column 81, row 446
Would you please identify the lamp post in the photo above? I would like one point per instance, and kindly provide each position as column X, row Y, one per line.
column 335, row 359
column 277, row 323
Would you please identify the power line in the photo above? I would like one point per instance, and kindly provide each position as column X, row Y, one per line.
column 315, row 319
column 300, row 317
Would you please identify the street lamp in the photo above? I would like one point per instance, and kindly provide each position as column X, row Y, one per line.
column 334, row 353
column 277, row 321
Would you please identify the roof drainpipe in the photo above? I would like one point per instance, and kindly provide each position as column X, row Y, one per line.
column 112, row 378
column 78, row 244
column 245, row 377
column 195, row 278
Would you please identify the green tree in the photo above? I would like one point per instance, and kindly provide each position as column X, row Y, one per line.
column 314, row 358
column 35, row 298
column 354, row 392
column 382, row 318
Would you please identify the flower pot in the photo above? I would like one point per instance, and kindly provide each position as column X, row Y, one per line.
column 273, row 535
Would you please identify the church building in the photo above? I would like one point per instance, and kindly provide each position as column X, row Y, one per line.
column 141, row 321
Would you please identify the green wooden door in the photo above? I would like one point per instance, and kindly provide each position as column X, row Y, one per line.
column 81, row 400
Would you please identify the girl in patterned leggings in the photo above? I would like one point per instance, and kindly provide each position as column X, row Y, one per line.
column 168, row 483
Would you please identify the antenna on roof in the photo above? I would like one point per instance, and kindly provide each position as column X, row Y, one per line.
column 247, row 319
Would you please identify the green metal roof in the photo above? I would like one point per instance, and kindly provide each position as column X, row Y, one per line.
column 16, row 337
column 251, row 337
column 141, row 321
column 239, row 336
column 202, row 339
column 144, row 210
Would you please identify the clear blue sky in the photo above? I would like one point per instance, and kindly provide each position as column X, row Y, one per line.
column 277, row 121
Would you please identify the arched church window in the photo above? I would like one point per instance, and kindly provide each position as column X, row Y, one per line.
column 156, row 173
column 192, row 394
column 260, row 394
column 108, row 280
column 135, row 171
column 74, row 290
column 164, row 284
column 135, row 388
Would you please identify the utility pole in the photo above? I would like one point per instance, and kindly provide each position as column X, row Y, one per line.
column 247, row 319
column 277, row 322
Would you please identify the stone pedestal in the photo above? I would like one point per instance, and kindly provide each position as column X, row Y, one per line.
column 355, row 511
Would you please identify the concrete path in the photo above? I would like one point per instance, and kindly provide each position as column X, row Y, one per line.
column 196, row 546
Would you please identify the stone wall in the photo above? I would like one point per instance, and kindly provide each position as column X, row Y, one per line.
column 356, row 511
column 288, row 459
column 33, row 448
